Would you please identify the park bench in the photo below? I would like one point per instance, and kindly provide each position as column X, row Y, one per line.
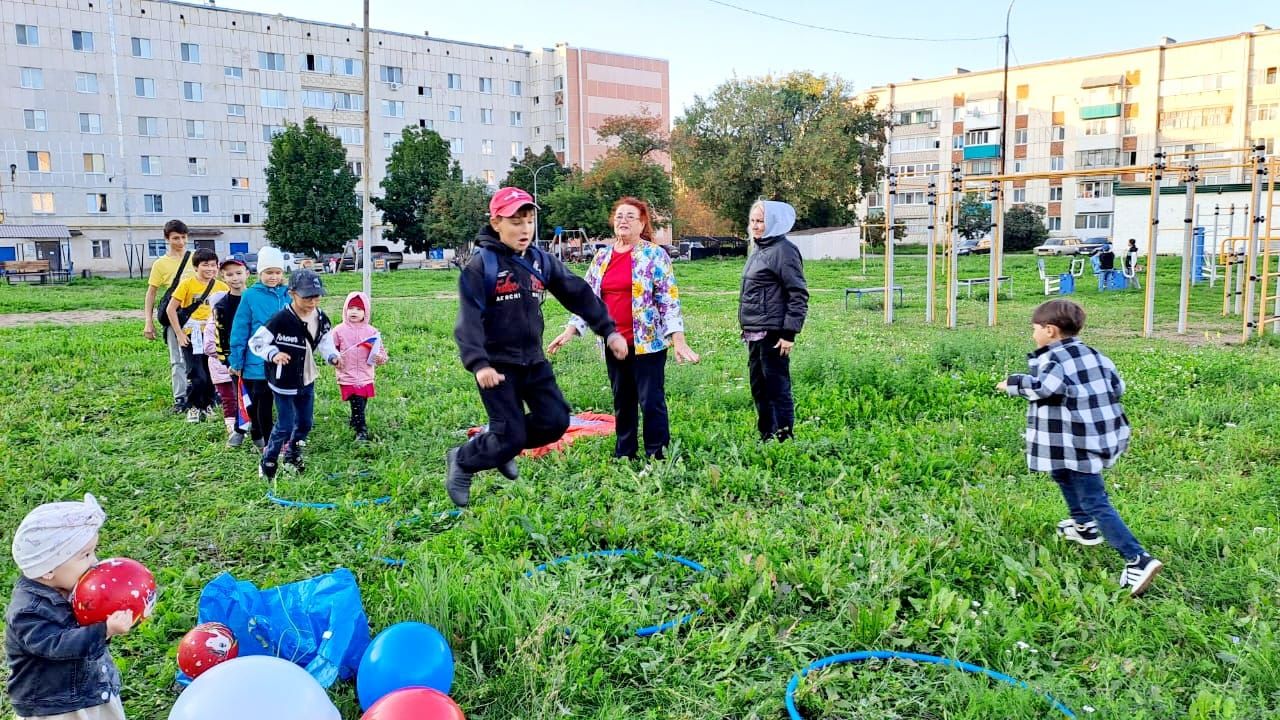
column 968, row 283
column 34, row 271
column 859, row 292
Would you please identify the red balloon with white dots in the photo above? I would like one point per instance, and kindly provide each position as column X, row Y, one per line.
column 112, row 585
column 204, row 646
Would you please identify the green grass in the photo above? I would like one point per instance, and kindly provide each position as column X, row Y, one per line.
column 901, row 518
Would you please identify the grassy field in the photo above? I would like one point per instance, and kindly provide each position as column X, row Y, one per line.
column 901, row 518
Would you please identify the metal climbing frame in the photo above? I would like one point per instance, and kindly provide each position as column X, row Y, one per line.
column 1268, row 274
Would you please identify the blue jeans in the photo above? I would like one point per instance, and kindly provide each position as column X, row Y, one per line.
column 1087, row 500
column 294, row 416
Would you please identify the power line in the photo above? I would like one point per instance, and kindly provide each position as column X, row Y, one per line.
column 850, row 32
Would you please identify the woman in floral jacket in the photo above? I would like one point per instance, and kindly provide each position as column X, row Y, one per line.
column 633, row 277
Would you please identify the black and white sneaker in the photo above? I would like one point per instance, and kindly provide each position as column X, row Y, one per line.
column 267, row 470
column 457, row 482
column 293, row 456
column 1086, row 534
column 1138, row 574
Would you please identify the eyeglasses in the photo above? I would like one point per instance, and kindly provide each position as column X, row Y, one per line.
column 626, row 217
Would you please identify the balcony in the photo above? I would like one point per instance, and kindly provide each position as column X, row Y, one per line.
column 1097, row 112
column 983, row 120
column 981, row 152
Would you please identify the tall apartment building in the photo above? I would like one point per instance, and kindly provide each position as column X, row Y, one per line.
column 1100, row 111
column 116, row 121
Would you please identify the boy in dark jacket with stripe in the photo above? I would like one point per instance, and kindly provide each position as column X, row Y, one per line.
column 499, row 335
column 288, row 343
column 1076, row 427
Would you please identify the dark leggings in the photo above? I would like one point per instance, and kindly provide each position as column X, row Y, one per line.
column 260, row 404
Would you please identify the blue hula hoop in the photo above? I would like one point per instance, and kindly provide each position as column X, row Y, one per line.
column 401, row 562
column 794, row 713
column 649, row 630
column 284, row 502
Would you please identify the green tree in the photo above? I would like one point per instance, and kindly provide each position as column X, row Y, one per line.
column 416, row 168
column 975, row 216
column 311, row 203
column 458, row 209
column 1024, row 227
column 573, row 206
column 875, row 229
column 548, row 179
column 639, row 136
column 800, row 138
column 585, row 199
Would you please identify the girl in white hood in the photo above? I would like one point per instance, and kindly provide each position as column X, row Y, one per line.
column 362, row 350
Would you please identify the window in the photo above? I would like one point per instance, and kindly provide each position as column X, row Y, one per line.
column 914, row 144
column 81, row 41
column 1055, row 194
column 1053, row 223
column 1212, row 82
column 42, row 203
column 141, row 47
column 38, row 161
column 455, row 81
column 514, row 87
column 558, row 83
column 455, row 146
column 28, row 35
column 150, row 164
column 95, row 203
column 978, row 137
column 560, row 143
column 517, row 149
column 1098, row 127
column 424, row 91
column 195, row 129
column 270, row 131
column 242, row 218
column 1093, row 221
column 271, row 61
column 911, row 197
column 200, row 204
column 193, row 91
column 95, row 163
column 981, row 167
column 957, row 141
column 1268, row 111
column 1056, row 162
column 348, row 66
column 490, row 178
column 233, row 72
column 153, row 204
column 1019, row 166
column 190, row 53
column 1019, row 196
column 317, row 99
column 916, row 117
column 1269, row 76
column 349, row 135
column 90, row 123
column 87, row 83
column 921, row 168
column 1195, row 118
column 274, row 98
column 1109, row 157
column 317, row 63
column 356, row 167
column 1020, row 136
column 149, row 126
column 144, row 87
column 393, row 108
column 238, row 146
column 486, row 85
column 1130, row 127
column 517, row 118
column 559, row 113
column 348, row 101
column 1129, row 158
column 235, row 110
column 240, row 182
column 455, row 113
column 1058, row 133
column 389, row 141
column 33, row 78
column 1094, row 188
column 157, row 247
column 390, row 74
column 486, row 147
column 101, row 248
column 35, row 120
column 486, row 115
column 197, row 166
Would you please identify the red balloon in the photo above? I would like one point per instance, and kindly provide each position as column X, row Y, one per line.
column 206, row 645
column 111, row 585
column 415, row 703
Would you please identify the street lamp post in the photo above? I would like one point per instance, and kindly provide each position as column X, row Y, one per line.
column 535, row 189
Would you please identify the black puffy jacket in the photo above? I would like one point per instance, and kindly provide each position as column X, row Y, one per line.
column 774, row 296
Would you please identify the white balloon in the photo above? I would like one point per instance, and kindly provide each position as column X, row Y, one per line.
column 254, row 687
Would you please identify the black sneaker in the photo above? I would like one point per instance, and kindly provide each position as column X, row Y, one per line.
column 1138, row 574
column 362, row 435
column 293, row 456
column 510, row 470
column 1086, row 534
column 267, row 470
column 179, row 407
column 456, row 482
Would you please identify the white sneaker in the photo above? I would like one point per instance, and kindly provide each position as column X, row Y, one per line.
column 193, row 415
column 1138, row 574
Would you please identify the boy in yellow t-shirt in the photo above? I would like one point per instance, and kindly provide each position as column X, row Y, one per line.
column 162, row 272
column 188, row 311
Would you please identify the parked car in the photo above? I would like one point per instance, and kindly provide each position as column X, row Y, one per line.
column 250, row 261
column 1070, row 246
column 974, row 246
column 392, row 258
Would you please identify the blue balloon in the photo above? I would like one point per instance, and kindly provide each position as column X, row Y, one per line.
column 407, row 654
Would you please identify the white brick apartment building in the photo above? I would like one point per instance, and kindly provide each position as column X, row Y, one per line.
column 117, row 118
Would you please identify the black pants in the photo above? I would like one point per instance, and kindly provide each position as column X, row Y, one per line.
column 639, row 388
column 200, row 391
column 358, row 405
column 511, row 429
column 771, row 388
column 261, row 402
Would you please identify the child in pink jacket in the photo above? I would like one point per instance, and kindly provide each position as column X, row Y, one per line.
column 361, row 348
column 216, row 332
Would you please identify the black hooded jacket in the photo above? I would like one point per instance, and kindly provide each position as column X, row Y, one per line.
column 503, row 325
column 774, row 294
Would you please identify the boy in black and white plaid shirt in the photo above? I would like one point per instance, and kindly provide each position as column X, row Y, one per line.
column 1076, row 426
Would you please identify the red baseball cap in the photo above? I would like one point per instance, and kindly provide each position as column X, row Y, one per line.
column 508, row 200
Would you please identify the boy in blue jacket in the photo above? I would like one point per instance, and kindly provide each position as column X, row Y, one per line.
column 260, row 303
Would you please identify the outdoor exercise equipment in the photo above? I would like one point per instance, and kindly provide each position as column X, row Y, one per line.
column 257, row 687
column 405, row 655
column 113, row 585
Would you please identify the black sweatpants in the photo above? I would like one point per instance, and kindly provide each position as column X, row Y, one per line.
column 200, row 391
column 512, row 430
column 639, row 387
column 261, row 402
column 771, row 388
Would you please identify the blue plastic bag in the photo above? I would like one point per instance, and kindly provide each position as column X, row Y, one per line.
column 319, row 623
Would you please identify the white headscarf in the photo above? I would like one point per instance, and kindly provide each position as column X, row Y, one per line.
column 52, row 534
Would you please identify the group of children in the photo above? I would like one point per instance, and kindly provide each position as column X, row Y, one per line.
column 1076, row 425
